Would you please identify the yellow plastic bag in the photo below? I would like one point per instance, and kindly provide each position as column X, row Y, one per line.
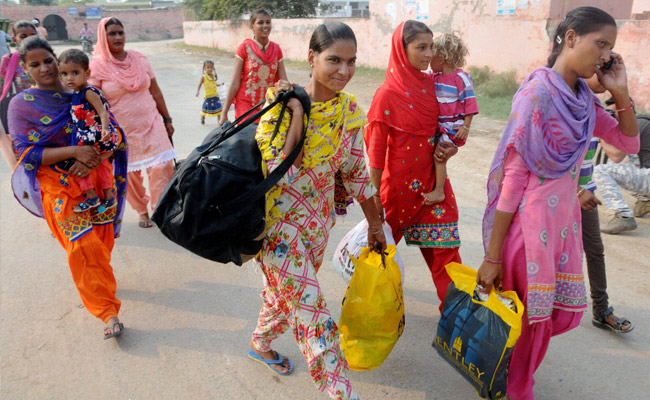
column 372, row 313
column 477, row 337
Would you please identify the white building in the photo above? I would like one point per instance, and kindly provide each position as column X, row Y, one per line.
column 344, row 9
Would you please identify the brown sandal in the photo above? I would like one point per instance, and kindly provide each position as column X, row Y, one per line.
column 145, row 222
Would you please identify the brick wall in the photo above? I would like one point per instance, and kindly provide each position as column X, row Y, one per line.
column 138, row 24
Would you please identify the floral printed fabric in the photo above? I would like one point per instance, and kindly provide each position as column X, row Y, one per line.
column 293, row 253
column 88, row 123
column 328, row 124
column 21, row 78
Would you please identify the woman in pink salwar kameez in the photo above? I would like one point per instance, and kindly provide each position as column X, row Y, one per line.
column 532, row 222
column 129, row 84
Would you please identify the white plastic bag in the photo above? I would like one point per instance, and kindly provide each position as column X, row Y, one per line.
column 352, row 243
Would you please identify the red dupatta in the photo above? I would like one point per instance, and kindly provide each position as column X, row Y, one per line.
column 407, row 99
column 268, row 56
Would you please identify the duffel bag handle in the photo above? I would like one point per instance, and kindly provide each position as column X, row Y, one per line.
column 248, row 119
column 275, row 176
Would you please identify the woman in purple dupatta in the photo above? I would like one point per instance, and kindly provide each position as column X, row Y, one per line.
column 531, row 227
column 40, row 124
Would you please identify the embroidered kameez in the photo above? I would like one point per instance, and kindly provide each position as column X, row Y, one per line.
column 535, row 175
column 301, row 212
column 403, row 121
column 41, row 119
column 259, row 73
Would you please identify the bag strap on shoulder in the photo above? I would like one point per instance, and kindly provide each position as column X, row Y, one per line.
column 272, row 179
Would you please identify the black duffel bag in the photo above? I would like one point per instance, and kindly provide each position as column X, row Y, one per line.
column 215, row 204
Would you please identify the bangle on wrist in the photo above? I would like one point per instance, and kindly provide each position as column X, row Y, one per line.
column 376, row 195
column 580, row 192
column 630, row 107
column 377, row 232
column 491, row 260
column 167, row 120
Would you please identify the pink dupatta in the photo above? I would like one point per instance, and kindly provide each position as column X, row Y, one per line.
column 129, row 73
column 11, row 71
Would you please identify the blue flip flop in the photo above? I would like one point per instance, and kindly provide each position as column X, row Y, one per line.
column 256, row 357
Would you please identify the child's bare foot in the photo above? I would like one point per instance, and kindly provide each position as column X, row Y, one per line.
column 437, row 196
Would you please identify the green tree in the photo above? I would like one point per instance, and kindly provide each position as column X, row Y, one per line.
column 230, row 9
column 40, row 2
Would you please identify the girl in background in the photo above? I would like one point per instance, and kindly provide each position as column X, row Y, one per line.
column 211, row 104
column 258, row 66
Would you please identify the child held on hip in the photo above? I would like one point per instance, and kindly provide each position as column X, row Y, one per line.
column 456, row 102
column 93, row 124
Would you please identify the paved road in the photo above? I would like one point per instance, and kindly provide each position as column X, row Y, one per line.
column 189, row 320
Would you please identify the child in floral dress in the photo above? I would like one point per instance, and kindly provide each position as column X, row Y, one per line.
column 94, row 126
column 456, row 101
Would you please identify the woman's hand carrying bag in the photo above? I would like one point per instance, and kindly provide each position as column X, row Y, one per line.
column 214, row 205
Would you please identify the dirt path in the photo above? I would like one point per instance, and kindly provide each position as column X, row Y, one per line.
column 189, row 320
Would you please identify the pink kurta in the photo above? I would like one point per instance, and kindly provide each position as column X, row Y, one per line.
column 138, row 115
column 545, row 238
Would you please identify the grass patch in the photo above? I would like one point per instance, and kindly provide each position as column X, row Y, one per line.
column 494, row 91
column 204, row 50
column 494, row 107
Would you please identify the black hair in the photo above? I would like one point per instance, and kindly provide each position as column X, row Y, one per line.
column 75, row 56
column 33, row 43
column 326, row 34
column 209, row 62
column 582, row 20
column 412, row 29
column 23, row 24
column 113, row 21
column 259, row 11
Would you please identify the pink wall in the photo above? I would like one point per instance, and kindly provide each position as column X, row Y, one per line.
column 640, row 6
column 517, row 42
column 138, row 24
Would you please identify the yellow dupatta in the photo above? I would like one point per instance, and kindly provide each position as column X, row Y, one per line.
column 328, row 121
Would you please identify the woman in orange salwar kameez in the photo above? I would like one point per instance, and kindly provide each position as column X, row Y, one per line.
column 129, row 84
column 40, row 124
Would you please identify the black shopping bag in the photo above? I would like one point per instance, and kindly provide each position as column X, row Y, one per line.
column 477, row 337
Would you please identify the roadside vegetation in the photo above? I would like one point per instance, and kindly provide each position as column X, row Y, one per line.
column 494, row 91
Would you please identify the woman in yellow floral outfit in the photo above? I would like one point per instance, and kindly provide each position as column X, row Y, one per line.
column 301, row 210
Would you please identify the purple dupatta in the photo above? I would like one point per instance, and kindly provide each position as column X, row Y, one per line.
column 549, row 126
column 40, row 119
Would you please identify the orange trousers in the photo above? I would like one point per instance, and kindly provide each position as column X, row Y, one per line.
column 159, row 176
column 88, row 246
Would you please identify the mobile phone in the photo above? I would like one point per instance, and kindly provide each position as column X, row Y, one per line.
column 609, row 63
